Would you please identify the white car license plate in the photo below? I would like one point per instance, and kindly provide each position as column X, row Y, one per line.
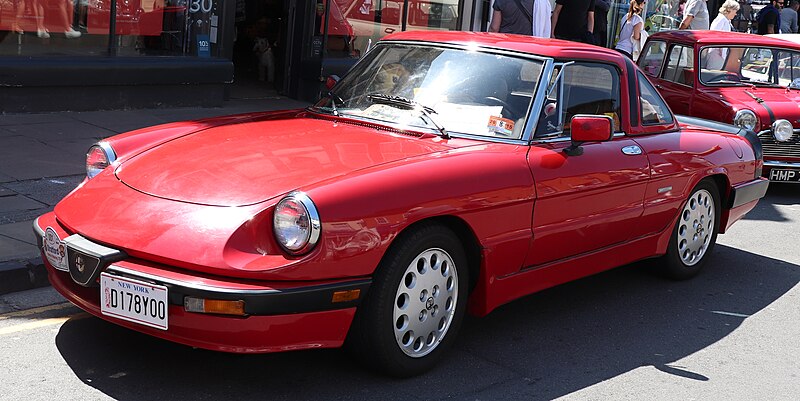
column 133, row 300
column 777, row 174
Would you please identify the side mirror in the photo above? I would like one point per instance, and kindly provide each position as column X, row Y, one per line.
column 588, row 128
column 591, row 128
column 331, row 81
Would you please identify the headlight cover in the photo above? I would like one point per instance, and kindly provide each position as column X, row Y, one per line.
column 296, row 223
column 98, row 158
column 746, row 119
column 782, row 130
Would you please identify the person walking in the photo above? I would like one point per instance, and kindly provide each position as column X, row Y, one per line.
column 789, row 17
column 727, row 11
column 512, row 16
column 769, row 19
column 695, row 15
column 631, row 31
column 573, row 20
column 601, row 8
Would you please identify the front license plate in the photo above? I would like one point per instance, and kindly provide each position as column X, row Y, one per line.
column 133, row 300
column 782, row 175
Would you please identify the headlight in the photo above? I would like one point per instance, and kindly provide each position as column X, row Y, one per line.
column 782, row 130
column 98, row 158
column 295, row 223
column 746, row 119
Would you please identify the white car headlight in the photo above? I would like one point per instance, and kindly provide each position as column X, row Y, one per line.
column 782, row 130
column 296, row 223
column 746, row 119
column 98, row 158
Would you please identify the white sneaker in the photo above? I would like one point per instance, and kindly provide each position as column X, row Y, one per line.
column 42, row 33
column 72, row 34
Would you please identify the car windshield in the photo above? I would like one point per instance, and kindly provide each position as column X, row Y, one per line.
column 760, row 66
column 450, row 91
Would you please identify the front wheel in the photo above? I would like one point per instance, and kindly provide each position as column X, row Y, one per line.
column 415, row 305
column 695, row 233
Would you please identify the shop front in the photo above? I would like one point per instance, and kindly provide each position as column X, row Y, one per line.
column 106, row 54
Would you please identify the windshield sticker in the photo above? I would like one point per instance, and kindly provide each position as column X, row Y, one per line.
column 54, row 249
column 469, row 119
column 499, row 125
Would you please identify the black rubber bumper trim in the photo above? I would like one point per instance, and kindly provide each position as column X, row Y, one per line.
column 315, row 298
column 748, row 192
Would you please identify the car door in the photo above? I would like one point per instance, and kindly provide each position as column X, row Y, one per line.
column 589, row 201
column 675, row 80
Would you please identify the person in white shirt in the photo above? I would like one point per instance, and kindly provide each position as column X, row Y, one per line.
column 716, row 55
column 727, row 11
column 632, row 24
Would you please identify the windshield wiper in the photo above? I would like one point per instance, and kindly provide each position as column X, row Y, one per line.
column 764, row 84
column 408, row 104
column 728, row 82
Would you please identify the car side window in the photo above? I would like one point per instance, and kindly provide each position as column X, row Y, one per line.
column 652, row 58
column 654, row 110
column 680, row 65
column 583, row 88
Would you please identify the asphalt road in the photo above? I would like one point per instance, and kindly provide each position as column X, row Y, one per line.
column 732, row 333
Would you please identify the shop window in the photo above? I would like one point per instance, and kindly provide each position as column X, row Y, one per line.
column 83, row 27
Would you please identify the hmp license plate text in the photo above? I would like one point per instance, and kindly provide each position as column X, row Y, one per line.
column 122, row 298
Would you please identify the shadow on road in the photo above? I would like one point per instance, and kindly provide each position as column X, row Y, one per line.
column 777, row 195
column 540, row 347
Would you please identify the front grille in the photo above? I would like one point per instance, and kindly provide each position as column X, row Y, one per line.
column 773, row 148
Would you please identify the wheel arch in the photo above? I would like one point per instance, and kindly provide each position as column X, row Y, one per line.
column 466, row 235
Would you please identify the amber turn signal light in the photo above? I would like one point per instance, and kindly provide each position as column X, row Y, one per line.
column 217, row 306
column 344, row 296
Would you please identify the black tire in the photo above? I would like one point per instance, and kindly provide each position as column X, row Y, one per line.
column 683, row 261
column 385, row 319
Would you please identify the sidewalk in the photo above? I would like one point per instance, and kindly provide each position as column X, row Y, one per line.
column 42, row 158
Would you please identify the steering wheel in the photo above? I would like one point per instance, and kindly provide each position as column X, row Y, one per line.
column 511, row 110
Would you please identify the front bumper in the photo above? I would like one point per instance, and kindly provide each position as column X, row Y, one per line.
column 278, row 316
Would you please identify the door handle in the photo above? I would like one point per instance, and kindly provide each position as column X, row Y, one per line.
column 658, row 86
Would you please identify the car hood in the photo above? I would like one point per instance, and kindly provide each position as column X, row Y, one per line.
column 783, row 104
column 247, row 163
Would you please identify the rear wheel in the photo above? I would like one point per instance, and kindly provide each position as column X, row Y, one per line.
column 695, row 233
column 415, row 305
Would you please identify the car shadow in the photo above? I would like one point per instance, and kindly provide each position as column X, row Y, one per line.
column 540, row 347
column 777, row 195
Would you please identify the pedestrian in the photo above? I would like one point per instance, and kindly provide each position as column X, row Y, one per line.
column 789, row 17
column 573, row 20
column 744, row 17
column 512, row 16
column 695, row 15
column 601, row 22
column 769, row 19
column 631, row 30
column 727, row 11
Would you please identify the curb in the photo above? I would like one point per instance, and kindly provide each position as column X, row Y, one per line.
column 22, row 275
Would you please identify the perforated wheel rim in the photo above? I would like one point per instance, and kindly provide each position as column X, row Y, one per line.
column 425, row 302
column 695, row 227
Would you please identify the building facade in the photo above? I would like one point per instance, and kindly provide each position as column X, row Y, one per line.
column 106, row 54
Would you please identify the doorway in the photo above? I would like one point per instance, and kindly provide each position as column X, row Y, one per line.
column 259, row 53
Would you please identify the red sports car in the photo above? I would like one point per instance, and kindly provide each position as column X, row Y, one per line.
column 752, row 81
column 448, row 172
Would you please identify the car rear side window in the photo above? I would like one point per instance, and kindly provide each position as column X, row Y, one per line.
column 654, row 110
column 680, row 65
column 653, row 58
